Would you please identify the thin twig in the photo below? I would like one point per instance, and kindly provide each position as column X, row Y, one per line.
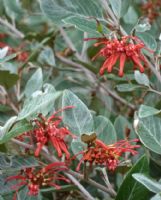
column 76, row 182
column 117, row 97
column 69, row 43
column 13, row 29
column 110, row 13
column 106, row 89
column 106, row 179
column 84, row 48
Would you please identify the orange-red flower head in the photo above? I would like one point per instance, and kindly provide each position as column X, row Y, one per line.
column 49, row 129
column 107, row 155
column 151, row 9
column 126, row 48
column 35, row 179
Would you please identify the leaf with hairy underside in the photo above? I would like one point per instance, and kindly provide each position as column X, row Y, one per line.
column 148, row 129
column 14, row 163
column 150, row 184
column 57, row 10
column 130, row 188
column 78, row 119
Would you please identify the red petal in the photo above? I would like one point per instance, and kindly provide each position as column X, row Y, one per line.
column 105, row 65
column 38, row 149
column 109, row 63
column 138, row 62
column 63, row 178
column 79, row 164
column 55, row 185
column 56, row 145
column 122, row 64
column 55, row 164
column 15, row 177
column 64, row 148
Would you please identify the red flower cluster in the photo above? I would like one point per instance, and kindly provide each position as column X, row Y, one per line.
column 107, row 155
column 49, row 129
column 21, row 57
column 126, row 48
column 151, row 9
column 36, row 179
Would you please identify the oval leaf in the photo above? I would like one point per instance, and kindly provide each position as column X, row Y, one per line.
column 34, row 83
column 146, row 111
column 127, row 87
column 130, row 188
column 57, row 10
column 150, row 184
column 41, row 103
column 141, row 78
column 148, row 130
column 78, row 119
column 105, row 130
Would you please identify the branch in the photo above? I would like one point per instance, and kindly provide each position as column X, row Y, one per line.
column 69, row 42
column 84, row 48
column 107, row 90
column 13, row 29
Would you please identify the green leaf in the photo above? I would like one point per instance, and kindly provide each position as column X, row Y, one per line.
column 150, row 184
column 156, row 197
column 141, row 78
column 148, row 130
column 7, row 125
column 7, row 58
column 85, row 25
column 142, row 26
column 15, row 163
column 47, row 56
column 57, row 10
column 146, row 111
column 1, row 198
column 116, row 7
column 17, row 130
column 6, row 187
column 7, row 79
column 3, row 52
column 105, row 130
column 77, row 146
column 78, row 119
column 127, row 87
column 41, row 103
column 120, row 124
column 148, row 39
column 34, row 83
column 130, row 188
column 4, row 108
column 125, row 6
column 131, row 16
column 13, row 9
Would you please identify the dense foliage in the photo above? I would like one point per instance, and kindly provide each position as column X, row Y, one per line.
column 80, row 88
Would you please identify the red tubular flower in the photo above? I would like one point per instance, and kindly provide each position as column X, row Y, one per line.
column 151, row 9
column 107, row 155
column 127, row 48
column 22, row 57
column 36, row 179
column 49, row 129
